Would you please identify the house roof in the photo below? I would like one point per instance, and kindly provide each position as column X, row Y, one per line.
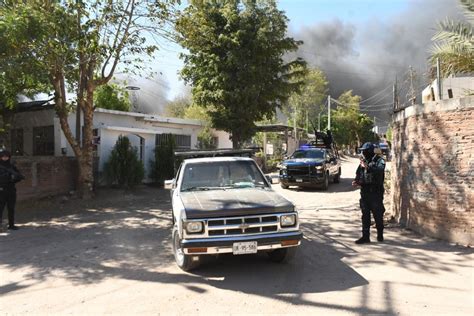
column 152, row 118
column 37, row 105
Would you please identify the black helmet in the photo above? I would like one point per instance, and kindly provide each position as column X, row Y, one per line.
column 368, row 150
column 5, row 153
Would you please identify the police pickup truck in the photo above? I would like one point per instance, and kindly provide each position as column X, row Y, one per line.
column 312, row 165
column 223, row 203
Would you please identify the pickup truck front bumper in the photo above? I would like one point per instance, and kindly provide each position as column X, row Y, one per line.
column 202, row 246
column 303, row 180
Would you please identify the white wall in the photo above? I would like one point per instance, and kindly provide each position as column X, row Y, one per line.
column 112, row 124
column 223, row 139
column 460, row 87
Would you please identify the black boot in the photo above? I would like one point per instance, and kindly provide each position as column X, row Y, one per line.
column 380, row 235
column 365, row 239
column 13, row 227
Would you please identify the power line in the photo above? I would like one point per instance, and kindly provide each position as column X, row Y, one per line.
column 376, row 94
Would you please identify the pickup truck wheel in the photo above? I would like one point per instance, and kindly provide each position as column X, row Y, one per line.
column 185, row 262
column 282, row 255
column 325, row 185
column 337, row 177
column 284, row 186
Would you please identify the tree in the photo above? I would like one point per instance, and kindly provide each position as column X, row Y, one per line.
column 177, row 107
column 454, row 43
column 19, row 72
column 235, row 61
column 307, row 103
column 112, row 97
column 123, row 167
column 350, row 126
column 80, row 44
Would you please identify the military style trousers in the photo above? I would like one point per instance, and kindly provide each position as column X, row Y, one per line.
column 372, row 202
column 8, row 198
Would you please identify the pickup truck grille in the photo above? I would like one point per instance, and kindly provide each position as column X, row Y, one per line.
column 242, row 225
column 298, row 171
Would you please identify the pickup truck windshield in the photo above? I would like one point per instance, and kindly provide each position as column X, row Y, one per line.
column 312, row 154
column 221, row 175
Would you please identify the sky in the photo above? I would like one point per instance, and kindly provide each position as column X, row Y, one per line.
column 360, row 44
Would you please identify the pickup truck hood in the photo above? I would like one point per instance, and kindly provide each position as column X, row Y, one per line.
column 233, row 202
column 303, row 162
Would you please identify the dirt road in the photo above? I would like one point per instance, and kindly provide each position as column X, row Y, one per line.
column 113, row 256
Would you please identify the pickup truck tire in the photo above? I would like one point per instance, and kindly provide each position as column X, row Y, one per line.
column 282, row 255
column 337, row 177
column 325, row 184
column 284, row 186
column 185, row 262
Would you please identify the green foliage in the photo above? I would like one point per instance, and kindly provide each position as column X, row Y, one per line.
column 78, row 46
column 163, row 164
column 454, row 43
column 350, row 126
column 123, row 167
column 196, row 112
column 206, row 139
column 235, row 61
column 389, row 133
column 177, row 107
column 112, row 97
column 307, row 103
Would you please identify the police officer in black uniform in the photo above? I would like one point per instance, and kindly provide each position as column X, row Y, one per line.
column 370, row 177
column 9, row 176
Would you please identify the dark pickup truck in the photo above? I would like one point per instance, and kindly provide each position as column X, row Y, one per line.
column 310, row 166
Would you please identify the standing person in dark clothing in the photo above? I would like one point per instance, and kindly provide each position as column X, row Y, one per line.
column 9, row 176
column 370, row 177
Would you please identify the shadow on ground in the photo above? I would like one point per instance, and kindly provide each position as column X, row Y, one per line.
column 125, row 236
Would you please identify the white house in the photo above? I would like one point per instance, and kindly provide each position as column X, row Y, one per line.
column 452, row 87
column 36, row 131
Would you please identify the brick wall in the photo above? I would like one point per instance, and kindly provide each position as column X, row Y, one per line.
column 433, row 169
column 45, row 176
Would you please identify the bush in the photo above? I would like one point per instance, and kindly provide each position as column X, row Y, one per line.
column 123, row 167
column 163, row 165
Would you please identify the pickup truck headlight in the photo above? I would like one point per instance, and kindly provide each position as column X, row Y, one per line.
column 319, row 168
column 288, row 220
column 193, row 227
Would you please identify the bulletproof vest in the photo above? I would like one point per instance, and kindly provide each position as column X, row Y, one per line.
column 5, row 177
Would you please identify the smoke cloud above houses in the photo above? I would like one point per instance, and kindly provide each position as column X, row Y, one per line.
column 367, row 57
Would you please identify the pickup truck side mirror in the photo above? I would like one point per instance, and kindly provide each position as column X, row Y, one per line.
column 169, row 184
column 269, row 179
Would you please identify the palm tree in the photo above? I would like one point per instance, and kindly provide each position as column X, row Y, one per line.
column 454, row 43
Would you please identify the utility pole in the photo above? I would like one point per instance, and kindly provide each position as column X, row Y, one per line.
column 319, row 122
column 376, row 130
column 438, row 79
column 329, row 112
column 395, row 105
column 412, row 88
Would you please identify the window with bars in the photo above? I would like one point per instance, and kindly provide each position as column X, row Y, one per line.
column 43, row 141
column 180, row 141
column 17, row 141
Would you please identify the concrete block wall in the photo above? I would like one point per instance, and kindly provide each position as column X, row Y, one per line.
column 433, row 169
column 45, row 176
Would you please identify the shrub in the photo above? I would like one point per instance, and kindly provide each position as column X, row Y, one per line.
column 123, row 167
column 163, row 165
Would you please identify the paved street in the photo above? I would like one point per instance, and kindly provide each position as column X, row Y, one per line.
column 114, row 257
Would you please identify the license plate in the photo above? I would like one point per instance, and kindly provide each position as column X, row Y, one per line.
column 299, row 180
column 241, row 248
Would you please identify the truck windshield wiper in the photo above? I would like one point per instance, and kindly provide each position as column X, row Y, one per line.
column 203, row 188
column 195, row 189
